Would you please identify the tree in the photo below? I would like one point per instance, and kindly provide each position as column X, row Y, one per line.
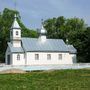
column 73, row 29
column 6, row 20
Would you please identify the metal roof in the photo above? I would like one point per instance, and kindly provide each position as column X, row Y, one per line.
column 15, row 49
column 52, row 45
column 35, row 45
column 71, row 49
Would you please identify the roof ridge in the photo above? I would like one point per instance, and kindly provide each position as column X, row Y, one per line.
column 37, row 38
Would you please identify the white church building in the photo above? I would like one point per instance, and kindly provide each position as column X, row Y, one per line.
column 37, row 51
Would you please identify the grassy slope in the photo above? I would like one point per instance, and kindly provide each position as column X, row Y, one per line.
column 50, row 80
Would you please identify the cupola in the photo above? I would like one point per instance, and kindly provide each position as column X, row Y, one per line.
column 42, row 34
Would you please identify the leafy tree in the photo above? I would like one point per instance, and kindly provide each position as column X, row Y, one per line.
column 73, row 29
column 6, row 20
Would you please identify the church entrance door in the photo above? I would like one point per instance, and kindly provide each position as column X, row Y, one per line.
column 8, row 59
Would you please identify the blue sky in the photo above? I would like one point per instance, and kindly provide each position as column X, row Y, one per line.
column 32, row 11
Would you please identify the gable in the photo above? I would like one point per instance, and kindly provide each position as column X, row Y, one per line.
column 15, row 49
column 71, row 49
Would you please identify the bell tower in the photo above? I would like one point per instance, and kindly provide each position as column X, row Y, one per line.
column 15, row 33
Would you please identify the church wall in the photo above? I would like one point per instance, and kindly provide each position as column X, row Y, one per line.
column 16, row 43
column 18, row 62
column 66, row 58
column 15, row 36
column 73, row 58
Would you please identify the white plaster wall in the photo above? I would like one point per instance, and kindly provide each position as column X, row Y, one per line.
column 66, row 58
column 73, row 58
column 42, row 38
column 16, row 43
column 16, row 38
column 18, row 62
column 14, row 33
column 29, row 59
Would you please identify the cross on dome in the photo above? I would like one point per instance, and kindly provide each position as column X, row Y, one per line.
column 43, row 30
column 42, row 33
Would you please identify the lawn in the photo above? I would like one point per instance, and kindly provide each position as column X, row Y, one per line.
column 47, row 80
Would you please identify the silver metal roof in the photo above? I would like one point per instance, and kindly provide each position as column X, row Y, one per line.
column 35, row 45
column 15, row 49
column 71, row 49
column 52, row 45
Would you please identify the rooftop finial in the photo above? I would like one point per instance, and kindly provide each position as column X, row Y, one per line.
column 42, row 32
column 67, row 41
column 42, row 21
column 15, row 16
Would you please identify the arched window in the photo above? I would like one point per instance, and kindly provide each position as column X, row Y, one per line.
column 18, row 56
column 16, row 32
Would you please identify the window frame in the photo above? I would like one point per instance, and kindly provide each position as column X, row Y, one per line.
column 36, row 56
column 17, row 33
column 48, row 56
column 59, row 56
column 18, row 56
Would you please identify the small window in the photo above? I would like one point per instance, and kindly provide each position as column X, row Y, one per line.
column 36, row 56
column 16, row 32
column 18, row 57
column 60, row 56
column 48, row 56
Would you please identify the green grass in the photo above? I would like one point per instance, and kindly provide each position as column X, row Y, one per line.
column 47, row 80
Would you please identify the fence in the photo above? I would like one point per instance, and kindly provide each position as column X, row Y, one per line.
column 45, row 67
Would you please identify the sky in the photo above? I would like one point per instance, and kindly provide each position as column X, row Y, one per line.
column 32, row 11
